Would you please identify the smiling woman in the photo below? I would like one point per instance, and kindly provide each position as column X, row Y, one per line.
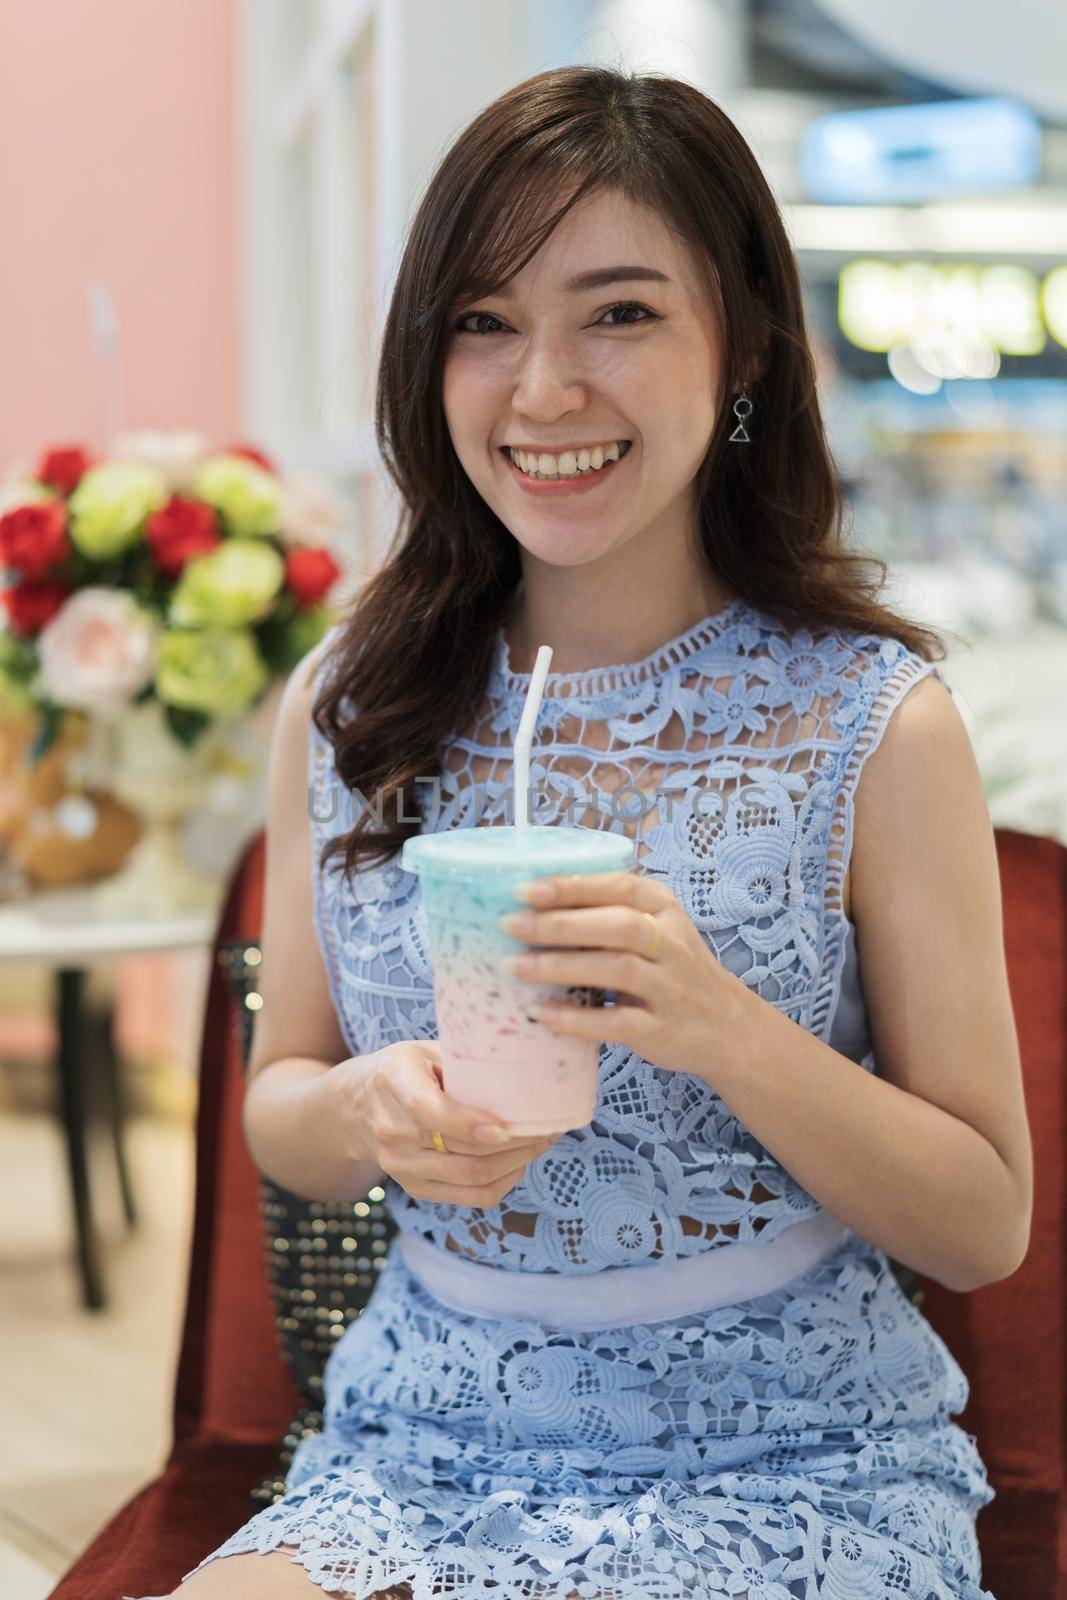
column 663, row 1355
column 608, row 406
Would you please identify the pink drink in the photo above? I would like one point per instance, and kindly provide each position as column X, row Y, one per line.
column 494, row 1054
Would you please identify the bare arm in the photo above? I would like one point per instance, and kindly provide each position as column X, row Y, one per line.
column 302, row 1102
column 931, row 1160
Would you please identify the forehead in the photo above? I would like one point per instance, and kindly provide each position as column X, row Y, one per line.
column 609, row 229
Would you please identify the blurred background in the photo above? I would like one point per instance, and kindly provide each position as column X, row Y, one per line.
column 203, row 207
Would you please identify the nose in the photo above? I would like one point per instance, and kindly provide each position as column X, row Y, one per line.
column 547, row 382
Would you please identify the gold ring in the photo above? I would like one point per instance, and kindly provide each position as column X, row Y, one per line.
column 654, row 952
column 439, row 1142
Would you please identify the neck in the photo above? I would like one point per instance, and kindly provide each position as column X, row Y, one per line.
column 593, row 619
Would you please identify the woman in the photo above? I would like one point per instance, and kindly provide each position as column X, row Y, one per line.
column 597, row 399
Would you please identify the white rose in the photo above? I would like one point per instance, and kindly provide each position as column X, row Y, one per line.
column 313, row 512
column 175, row 454
column 98, row 651
column 20, row 491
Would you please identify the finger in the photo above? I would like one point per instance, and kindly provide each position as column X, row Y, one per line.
column 414, row 1086
column 519, row 1145
column 617, row 1024
column 598, row 888
column 432, row 1048
column 515, row 1146
column 601, row 969
column 481, row 1197
column 612, row 927
column 471, row 1171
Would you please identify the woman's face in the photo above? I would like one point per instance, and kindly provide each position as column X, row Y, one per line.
column 548, row 367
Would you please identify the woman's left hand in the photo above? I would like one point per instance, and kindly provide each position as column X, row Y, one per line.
column 678, row 1007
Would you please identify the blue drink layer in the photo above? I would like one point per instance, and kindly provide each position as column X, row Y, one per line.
column 535, row 851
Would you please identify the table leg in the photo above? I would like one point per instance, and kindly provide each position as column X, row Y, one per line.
column 112, row 1075
column 71, row 1022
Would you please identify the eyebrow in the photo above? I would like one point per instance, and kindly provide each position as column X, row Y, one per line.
column 601, row 277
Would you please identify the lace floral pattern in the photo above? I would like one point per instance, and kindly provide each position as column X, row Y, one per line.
column 795, row 1446
column 731, row 757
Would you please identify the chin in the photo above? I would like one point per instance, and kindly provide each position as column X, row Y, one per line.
column 564, row 550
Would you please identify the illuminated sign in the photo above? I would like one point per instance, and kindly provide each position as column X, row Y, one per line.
column 884, row 304
column 902, row 154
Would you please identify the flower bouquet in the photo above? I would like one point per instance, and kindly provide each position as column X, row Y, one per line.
column 158, row 595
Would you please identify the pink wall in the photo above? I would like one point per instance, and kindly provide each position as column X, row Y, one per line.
column 117, row 162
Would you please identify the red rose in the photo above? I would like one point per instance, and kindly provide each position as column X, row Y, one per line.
column 179, row 530
column 62, row 468
column 250, row 453
column 33, row 537
column 310, row 572
column 33, row 603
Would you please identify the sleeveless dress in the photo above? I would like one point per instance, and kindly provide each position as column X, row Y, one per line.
column 794, row 1446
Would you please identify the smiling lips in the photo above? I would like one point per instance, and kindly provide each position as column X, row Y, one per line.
column 568, row 465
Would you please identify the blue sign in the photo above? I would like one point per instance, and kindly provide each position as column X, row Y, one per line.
column 898, row 155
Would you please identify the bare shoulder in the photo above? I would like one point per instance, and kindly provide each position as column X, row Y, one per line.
column 300, row 685
column 920, row 808
column 288, row 766
column 925, row 749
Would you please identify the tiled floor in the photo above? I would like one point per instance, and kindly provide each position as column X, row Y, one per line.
column 85, row 1396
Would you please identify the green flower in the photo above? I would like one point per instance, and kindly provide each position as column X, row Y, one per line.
column 110, row 504
column 306, row 629
column 229, row 586
column 17, row 669
column 218, row 671
column 15, row 696
column 249, row 498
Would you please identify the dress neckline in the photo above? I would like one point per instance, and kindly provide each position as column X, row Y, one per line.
column 592, row 680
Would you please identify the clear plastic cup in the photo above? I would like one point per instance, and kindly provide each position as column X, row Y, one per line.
column 494, row 1054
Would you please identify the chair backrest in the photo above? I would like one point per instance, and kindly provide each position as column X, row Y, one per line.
column 1010, row 1338
column 232, row 1382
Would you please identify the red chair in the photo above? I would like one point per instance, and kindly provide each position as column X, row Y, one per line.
column 234, row 1397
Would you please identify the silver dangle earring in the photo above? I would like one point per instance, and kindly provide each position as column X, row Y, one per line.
column 742, row 409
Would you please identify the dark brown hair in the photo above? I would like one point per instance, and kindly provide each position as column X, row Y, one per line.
column 414, row 653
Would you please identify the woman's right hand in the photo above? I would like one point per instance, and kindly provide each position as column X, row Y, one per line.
column 401, row 1100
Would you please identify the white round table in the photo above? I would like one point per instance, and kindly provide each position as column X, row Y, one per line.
column 68, row 930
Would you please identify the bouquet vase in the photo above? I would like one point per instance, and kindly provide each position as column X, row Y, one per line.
column 162, row 781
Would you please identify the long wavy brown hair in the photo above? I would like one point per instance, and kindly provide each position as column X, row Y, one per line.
column 411, row 660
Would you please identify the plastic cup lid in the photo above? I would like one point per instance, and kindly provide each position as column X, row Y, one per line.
column 544, row 849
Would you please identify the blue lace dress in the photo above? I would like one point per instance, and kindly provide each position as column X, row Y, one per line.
column 792, row 1446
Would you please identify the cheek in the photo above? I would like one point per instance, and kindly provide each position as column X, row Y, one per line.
column 468, row 373
column 453, row 389
column 472, row 417
column 676, row 428
column 693, row 423
column 669, row 392
column 470, row 396
column 463, row 412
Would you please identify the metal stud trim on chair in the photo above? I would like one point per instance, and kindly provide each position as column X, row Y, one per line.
column 323, row 1258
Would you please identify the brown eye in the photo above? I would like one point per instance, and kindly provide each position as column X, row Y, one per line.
column 476, row 316
column 629, row 305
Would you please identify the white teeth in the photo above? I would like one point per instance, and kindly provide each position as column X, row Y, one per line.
column 568, row 465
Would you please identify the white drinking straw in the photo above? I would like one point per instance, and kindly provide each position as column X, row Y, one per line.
column 104, row 322
column 521, row 749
